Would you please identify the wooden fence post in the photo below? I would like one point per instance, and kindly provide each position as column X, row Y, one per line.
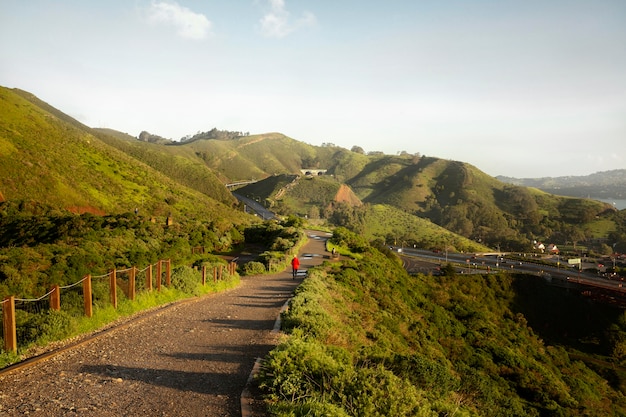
column 158, row 276
column 8, row 321
column 203, row 275
column 131, row 283
column 214, row 274
column 149, row 278
column 113, row 286
column 87, row 297
column 168, row 272
column 55, row 298
column 221, row 272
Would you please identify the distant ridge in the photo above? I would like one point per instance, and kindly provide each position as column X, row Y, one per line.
column 603, row 185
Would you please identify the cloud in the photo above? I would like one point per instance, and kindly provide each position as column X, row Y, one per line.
column 189, row 25
column 277, row 22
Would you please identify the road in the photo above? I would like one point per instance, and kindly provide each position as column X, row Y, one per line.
column 255, row 207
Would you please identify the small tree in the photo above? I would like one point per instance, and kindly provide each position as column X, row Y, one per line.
column 358, row 149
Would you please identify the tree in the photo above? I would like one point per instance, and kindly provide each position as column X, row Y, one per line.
column 358, row 149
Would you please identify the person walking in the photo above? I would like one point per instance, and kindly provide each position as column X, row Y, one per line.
column 295, row 264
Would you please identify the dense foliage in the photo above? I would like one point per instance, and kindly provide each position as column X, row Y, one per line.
column 280, row 239
column 366, row 339
column 41, row 246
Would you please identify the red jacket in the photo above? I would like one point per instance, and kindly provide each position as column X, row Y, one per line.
column 295, row 263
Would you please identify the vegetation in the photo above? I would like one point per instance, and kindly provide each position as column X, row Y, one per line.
column 46, row 156
column 282, row 241
column 367, row 339
column 176, row 162
column 41, row 246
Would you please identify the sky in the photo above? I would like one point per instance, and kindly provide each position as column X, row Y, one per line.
column 525, row 88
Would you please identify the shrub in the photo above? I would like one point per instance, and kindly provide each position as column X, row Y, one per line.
column 282, row 244
column 186, row 279
column 46, row 326
column 253, row 268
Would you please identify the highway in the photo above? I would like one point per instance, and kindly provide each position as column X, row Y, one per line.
column 253, row 206
column 416, row 259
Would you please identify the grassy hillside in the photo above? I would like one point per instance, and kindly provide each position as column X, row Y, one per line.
column 367, row 339
column 57, row 173
column 394, row 226
column 260, row 156
column 52, row 160
column 463, row 199
column 177, row 162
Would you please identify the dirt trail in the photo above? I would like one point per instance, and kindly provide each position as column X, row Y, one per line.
column 191, row 359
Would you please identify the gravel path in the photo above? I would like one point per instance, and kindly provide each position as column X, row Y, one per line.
column 191, row 359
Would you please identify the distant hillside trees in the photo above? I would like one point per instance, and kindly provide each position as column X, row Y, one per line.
column 215, row 134
column 145, row 136
column 358, row 149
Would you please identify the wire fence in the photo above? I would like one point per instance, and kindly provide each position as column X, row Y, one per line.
column 24, row 319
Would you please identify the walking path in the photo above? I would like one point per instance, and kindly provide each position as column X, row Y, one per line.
column 191, row 359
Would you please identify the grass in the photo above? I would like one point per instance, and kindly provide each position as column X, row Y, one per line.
column 384, row 220
column 49, row 157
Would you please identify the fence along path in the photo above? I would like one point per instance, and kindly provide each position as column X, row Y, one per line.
column 191, row 359
column 110, row 287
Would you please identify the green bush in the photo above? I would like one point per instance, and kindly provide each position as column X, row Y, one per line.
column 253, row 268
column 367, row 339
column 44, row 327
column 186, row 279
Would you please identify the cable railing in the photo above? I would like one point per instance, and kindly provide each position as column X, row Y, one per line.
column 92, row 291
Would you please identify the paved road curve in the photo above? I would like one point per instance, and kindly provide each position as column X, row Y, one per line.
column 191, row 359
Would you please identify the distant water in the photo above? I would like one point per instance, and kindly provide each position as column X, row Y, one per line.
column 619, row 204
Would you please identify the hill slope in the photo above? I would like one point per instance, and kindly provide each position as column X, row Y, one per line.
column 175, row 161
column 367, row 339
column 48, row 157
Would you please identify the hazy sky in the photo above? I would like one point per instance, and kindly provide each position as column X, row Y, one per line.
column 524, row 88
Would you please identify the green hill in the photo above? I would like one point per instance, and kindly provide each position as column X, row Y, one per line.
column 48, row 157
column 260, row 156
column 173, row 160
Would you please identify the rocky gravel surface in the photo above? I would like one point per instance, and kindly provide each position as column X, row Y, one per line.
column 193, row 358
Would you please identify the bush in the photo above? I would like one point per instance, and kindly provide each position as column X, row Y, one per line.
column 253, row 268
column 186, row 279
column 43, row 327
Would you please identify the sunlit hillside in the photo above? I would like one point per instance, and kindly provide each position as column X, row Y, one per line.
column 48, row 157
